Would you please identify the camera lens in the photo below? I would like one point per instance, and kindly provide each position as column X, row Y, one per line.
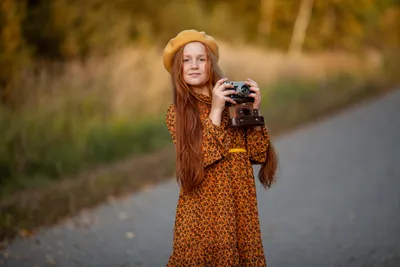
column 244, row 90
column 246, row 112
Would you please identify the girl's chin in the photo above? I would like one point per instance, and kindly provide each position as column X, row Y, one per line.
column 195, row 82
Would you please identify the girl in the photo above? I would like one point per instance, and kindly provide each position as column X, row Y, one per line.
column 217, row 220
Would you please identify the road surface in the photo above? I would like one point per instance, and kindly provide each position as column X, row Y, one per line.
column 337, row 203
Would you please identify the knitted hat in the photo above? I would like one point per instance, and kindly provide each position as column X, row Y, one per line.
column 183, row 38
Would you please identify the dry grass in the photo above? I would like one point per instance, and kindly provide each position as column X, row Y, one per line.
column 269, row 67
column 139, row 76
column 134, row 81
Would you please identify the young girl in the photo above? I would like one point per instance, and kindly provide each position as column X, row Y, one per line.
column 217, row 220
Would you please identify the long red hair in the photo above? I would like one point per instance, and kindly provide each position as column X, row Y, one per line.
column 188, row 127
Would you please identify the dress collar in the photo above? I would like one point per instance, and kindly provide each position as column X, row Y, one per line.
column 203, row 98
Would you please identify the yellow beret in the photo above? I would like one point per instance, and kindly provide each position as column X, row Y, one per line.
column 183, row 38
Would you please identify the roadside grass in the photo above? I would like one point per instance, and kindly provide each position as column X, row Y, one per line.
column 292, row 103
column 72, row 153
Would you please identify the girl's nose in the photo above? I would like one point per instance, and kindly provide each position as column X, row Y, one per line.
column 195, row 64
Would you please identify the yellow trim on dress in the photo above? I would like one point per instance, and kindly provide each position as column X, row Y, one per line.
column 235, row 150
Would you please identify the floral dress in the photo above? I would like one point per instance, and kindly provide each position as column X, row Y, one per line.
column 218, row 224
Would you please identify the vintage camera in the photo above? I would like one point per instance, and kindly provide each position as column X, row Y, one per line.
column 242, row 114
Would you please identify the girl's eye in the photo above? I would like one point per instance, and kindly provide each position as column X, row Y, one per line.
column 200, row 59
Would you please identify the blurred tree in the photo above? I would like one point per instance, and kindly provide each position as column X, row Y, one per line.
column 247, row 13
column 13, row 51
column 60, row 30
column 282, row 27
column 267, row 12
column 176, row 16
column 300, row 27
column 384, row 22
column 65, row 30
column 339, row 24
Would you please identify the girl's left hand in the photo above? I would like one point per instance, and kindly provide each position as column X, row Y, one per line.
column 256, row 94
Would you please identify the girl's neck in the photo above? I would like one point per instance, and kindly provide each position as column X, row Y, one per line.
column 202, row 90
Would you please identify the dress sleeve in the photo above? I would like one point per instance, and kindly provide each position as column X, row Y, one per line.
column 257, row 144
column 215, row 145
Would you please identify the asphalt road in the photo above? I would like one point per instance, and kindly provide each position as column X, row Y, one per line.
column 337, row 203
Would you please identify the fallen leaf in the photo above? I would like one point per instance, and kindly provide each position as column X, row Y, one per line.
column 6, row 254
column 111, row 199
column 25, row 233
column 129, row 235
column 3, row 245
column 122, row 216
column 50, row 260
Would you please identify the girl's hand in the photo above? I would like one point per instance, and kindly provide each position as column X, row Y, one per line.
column 219, row 98
column 220, row 95
column 256, row 94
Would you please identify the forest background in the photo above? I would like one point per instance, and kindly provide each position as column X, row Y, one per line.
column 84, row 92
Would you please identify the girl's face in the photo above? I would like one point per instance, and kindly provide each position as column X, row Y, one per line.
column 194, row 64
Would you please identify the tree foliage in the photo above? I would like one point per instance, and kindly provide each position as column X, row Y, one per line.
column 62, row 30
column 13, row 49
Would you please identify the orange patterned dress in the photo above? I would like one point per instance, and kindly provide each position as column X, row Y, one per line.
column 218, row 225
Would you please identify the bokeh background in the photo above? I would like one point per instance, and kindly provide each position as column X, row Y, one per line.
column 84, row 92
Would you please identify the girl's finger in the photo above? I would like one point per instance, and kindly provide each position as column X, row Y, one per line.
column 254, row 89
column 226, row 85
column 220, row 82
column 223, row 87
column 228, row 99
column 228, row 92
column 250, row 80
column 252, row 84
column 253, row 95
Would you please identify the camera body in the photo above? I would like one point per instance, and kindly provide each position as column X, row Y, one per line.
column 242, row 114
column 242, row 92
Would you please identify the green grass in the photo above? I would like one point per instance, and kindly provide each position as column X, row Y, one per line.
column 290, row 103
column 34, row 155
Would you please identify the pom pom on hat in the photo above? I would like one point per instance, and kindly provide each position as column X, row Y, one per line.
column 183, row 38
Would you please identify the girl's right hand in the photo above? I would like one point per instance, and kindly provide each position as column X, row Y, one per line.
column 220, row 95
